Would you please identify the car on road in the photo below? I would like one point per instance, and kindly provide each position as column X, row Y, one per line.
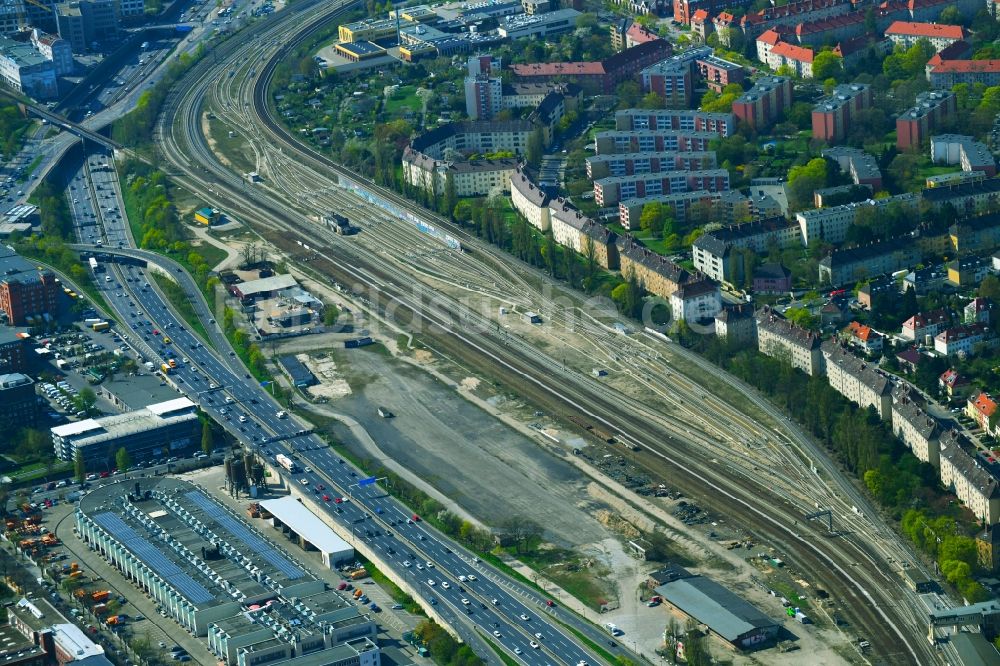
column 326, row 498
column 430, row 565
column 430, row 581
column 465, row 602
column 304, row 482
column 497, row 634
column 446, row 585
column 495, row 601
column 533, row 645
column 525, row 617
column 472, row 577
column 538, row 635
column 406, row 563
column 420, row 567
column 517, row 650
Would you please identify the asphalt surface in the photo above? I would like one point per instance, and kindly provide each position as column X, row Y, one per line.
column 248, row 412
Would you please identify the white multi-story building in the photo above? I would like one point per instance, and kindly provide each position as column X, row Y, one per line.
column 27, row 71
column 925, row 323
column 971, row 482
column 915, row 428
column 697, row 300
column 960, row 339
column 56, row 49
column 529, row 200
column 831, row 224
column 471, row 178
column 778, row 337
column 940, row 35
column 857, row 380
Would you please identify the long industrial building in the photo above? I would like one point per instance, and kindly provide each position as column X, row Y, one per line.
column 218, row 577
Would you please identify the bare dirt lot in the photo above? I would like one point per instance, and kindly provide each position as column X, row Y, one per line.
column 441, row 437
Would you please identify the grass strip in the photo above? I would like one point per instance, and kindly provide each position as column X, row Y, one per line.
column 180, row 302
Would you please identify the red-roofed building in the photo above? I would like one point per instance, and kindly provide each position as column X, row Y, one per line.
column 832, row 29
column 637, row 34
column 955, row 384
column 798, row 58
column 982, row 409
column 864, row 338
column 923, row 324
column 597, row 77
column 756, row 23
column 701, row 25
column 767, row 40
column 957, row 51
column 949, row 73
column 939, row 35
column 685, row 10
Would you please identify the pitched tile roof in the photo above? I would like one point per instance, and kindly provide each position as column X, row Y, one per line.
column 929, row 30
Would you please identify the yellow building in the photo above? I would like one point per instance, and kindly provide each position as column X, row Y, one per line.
column 206, row 216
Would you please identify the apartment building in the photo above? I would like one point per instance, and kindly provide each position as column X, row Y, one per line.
column 872, row 288
column 648, row 141
column 777, row 337
column 979, row 233
column 26, row 292
column 967, row 271
column 629, row 164
column 483, row 87
column 470, row 178
column 831, row 224
column 56, row 49
column 696, row 300
column 963, row 339
column 954, row 384
column 719, row 73
column 797, row 58
column 859, row 165
column 972, row 483
column 736, row 324
column 965, row 151
column 765, row 102
column 474, row 136
column 726, row 207
column 674, row 78
column 609, row 191
column 722, row 124
column 659, row 275
column 966, row 198
column 925, row 324
column 915, row 428
column 831, row 30
column 19, row 406
column 753, row 24
column 982, row 409
column 715, row 254
column 948, row 73
column 915, row 126
column 940, row 35
column 597, row 77
column 569, row 227
column 977, row 311
column 864, row 338
column 857, row 380
column 832, row 115
column 851, row 266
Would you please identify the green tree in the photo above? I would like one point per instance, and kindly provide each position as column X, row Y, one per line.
column 652, row 218
column 79, row 467
column 536, row 145
column 990, row 288
column 804, row 180
column 330, row 314
column 827, row 65
column 207, row 438
column 122, row 459
column 951, row 15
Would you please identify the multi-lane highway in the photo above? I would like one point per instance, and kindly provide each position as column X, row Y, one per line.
column 482, row 604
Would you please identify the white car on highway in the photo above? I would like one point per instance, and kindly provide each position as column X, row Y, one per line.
column 445, row 585
column 430, row 581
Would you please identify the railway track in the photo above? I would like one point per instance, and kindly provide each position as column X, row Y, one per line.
column 866, row 591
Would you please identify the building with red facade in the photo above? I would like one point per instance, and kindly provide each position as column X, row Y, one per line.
column 597, row 77
column 832, row 115
column 719, row 73
column 917, row 124
column 764, row 103
column 26, row 291
column 609, row 191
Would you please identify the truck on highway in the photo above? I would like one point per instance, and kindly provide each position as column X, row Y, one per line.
column 286, row 462
column 165, row 368
column 94, row 266
column 172, row 363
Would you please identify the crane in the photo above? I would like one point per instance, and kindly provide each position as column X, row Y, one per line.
column 22, row 12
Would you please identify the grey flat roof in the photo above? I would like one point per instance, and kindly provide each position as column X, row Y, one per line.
column 708, row 602
column 307, row 525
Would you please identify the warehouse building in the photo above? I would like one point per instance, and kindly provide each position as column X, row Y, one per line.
column 725, row 614
column 219, row 578
column 291, row 515
column 53, row 639
column 300, row 375
column 155, row 431
column 264, row 287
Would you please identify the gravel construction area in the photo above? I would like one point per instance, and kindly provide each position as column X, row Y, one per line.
column 470, row 456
